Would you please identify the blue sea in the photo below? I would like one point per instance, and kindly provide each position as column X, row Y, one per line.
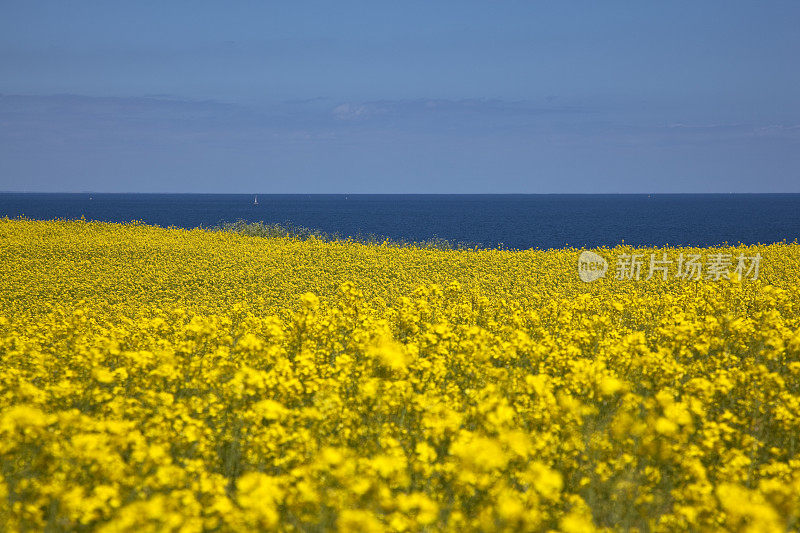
column 511, row 221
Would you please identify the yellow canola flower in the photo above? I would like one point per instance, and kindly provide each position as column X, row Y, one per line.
column 258, row 495
column 186, row 380
column 610, row 386
column 102, row 375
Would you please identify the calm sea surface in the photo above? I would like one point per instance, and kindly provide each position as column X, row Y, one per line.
column 513, row 221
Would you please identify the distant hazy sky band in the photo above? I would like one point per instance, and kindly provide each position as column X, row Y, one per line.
column 400, row 97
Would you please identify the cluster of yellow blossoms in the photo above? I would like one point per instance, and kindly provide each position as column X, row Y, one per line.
column 170, row 380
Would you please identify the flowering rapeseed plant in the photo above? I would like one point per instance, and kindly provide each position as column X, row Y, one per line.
column 170, row 380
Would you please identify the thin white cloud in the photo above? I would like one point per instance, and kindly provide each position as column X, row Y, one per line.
column 349, row 111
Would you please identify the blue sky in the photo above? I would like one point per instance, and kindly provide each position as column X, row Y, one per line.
column 400, row 97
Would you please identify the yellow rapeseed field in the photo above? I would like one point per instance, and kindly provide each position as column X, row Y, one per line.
column 170, row 380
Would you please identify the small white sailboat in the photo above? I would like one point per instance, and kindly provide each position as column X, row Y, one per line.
column 255, row 200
